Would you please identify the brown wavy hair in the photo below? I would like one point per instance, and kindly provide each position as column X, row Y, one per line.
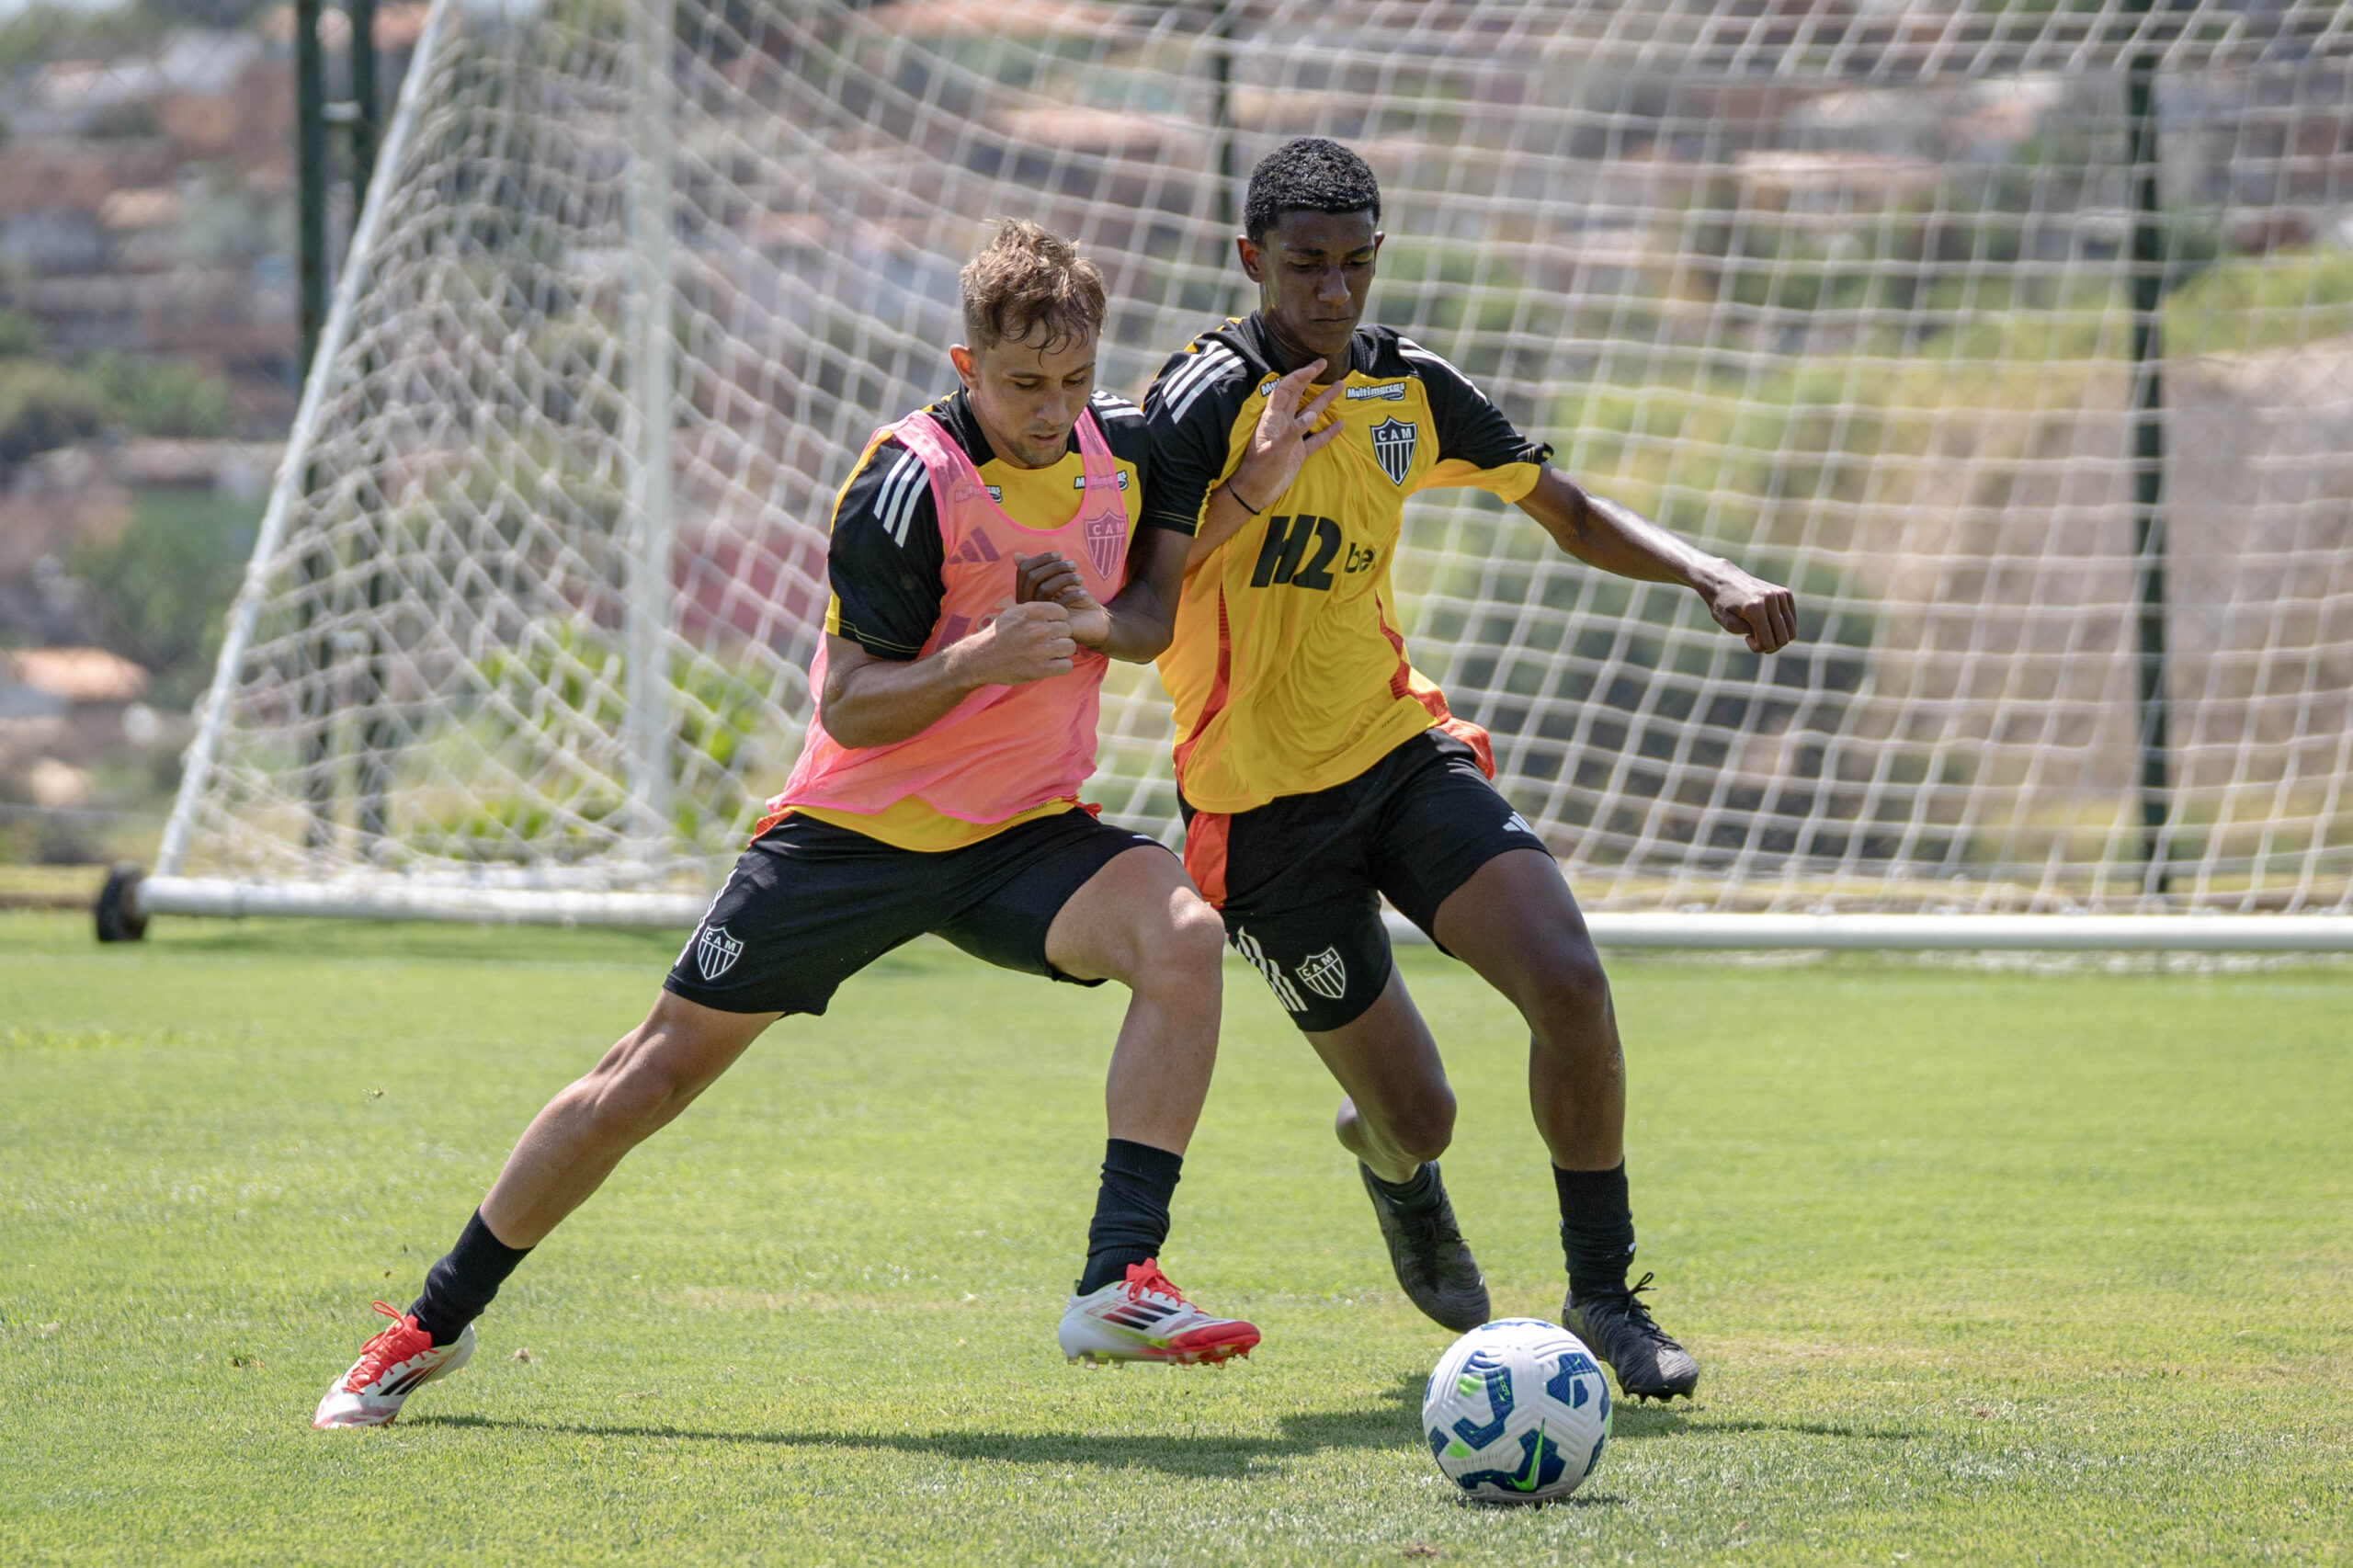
column 1027, row 277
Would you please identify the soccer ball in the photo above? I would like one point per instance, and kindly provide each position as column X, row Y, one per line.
column 1518, row 1412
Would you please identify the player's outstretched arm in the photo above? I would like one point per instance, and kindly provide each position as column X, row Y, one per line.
column 1140, row 621
column 1619, row 539
column 871, row 701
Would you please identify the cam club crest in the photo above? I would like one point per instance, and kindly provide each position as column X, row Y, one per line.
column 1106, row 541
column 716, row 951
column 1326, row 973
column 1392, row 443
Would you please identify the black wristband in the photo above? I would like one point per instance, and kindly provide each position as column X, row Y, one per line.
column 1245, row 506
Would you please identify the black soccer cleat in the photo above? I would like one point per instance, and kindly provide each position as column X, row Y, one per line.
column 1617, row 1326
column 1433, row 1262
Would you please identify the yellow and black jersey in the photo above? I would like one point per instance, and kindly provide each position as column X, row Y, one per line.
column 884, row 564
column 1288, row 671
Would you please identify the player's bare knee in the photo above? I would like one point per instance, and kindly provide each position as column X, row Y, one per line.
column 1568, row 1002
column 636, row 1091
column 1197, row 943
column 1183, row 959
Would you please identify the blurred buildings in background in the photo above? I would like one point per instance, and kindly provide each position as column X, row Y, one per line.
column 147, row 377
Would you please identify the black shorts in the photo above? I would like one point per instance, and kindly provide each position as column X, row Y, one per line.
column 1300, row 879
column 809, row 904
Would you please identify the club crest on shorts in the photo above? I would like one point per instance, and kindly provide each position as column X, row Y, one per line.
column 1325, row 974
column 1392, row 443
column 1106, row 541
column 716, row 952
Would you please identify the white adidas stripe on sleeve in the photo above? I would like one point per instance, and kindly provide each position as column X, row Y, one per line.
column 896, row 504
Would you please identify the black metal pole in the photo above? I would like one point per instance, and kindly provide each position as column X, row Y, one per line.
column 2148, row 456
column 372, row 784
column 366, row 126
column 311, row 277
column 310, row 177
column 1221, row 115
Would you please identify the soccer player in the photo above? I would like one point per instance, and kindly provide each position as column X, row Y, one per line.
column 1318, row 769
column 985, row 565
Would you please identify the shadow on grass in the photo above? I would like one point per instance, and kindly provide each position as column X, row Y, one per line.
column 1577, row 1499
column 1391, row 1423
column 1635, row 1422
column 1388, row 1425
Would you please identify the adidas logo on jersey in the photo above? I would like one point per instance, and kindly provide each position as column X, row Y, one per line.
column 975, row 550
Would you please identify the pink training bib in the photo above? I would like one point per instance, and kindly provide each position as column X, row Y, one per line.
column 1004, row 749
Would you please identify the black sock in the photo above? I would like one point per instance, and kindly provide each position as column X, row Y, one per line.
column 458, row 1287
column 1131, row 1210
column 1415, row 1189
column 1596, row 1228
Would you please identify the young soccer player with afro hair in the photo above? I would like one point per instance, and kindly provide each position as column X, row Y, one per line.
column 1320, row 771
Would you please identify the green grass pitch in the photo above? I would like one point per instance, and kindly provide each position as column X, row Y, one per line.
column 1981, row 1268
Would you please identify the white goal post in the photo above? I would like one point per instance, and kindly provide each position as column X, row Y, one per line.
column 2017, row 341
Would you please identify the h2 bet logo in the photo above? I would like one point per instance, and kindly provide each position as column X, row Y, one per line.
column 1284, row 557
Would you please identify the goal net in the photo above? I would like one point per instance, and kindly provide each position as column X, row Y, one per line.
column 2016, row 340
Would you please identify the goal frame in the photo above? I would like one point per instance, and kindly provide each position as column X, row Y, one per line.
column 524, row 897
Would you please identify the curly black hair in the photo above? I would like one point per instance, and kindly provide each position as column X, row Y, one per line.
column 1310, row 175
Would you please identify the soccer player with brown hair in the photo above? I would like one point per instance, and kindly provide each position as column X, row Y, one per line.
column 1318, row 770
column 986, row 562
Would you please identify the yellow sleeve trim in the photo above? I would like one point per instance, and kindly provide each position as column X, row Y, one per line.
column 1510, row 483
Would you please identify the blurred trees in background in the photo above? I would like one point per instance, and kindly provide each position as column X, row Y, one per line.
column 42, row 32
column 106, row 543
column 162, row 579
column 48, row 400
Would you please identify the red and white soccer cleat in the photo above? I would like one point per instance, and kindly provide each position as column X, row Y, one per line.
column 393, row 1366
column 1146, row 1318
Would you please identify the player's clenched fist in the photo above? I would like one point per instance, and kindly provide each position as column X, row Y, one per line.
column 1282, row 443
column 1025, row 643
column 1751, row 607
column 1051, row 579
